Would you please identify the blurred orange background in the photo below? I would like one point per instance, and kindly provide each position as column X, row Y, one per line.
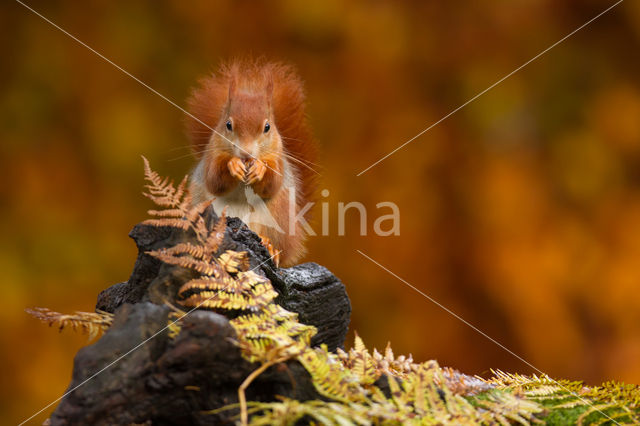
column 520, row 213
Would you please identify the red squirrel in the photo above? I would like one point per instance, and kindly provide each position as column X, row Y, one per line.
column 258, row 161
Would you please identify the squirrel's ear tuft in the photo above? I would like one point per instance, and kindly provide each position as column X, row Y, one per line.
column 233, row 87
column 269, row 91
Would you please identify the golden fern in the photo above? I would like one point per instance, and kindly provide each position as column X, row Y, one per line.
column 164, row 194
column 93, row 323
column 375, row 364
column 329, row 376
column 234, row 261
column 273, row 332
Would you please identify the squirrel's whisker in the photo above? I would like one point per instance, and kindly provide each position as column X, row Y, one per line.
column 302, row 163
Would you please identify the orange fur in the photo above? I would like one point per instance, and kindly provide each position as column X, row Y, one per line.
column 249, row 93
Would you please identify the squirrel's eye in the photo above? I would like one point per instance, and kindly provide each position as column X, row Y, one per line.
column 229, row 125
column 266, row 127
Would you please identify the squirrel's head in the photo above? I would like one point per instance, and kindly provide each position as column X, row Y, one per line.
column 247, row 125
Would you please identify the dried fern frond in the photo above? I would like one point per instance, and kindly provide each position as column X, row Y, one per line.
column 361, row 362
column 375, row 364
column 93, row 323
column 234, row 261
column 169, row 222
column 195, row 216
column 200, row 252
column 216, row 236
column 161, row 191
column 174, row 256
column 177, row 210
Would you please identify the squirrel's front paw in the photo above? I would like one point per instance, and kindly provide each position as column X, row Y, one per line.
column 237, row 168
column 256, row 172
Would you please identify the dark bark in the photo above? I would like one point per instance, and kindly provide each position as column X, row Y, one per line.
column 168, row 381
column 149, row 377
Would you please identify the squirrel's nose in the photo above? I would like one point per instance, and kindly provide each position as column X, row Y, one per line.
column 245, row 152
column 245, row 156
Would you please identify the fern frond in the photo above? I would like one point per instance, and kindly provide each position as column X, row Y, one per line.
column 169, row 222
column 329, row 377
column 362, row 363
column 180, row 192
column 259, row 296
column 194, row 216
column 374, row 365
column 199, row 252
column 156, row 182
column 211, row 283
column 544, row 391
column 614, row 391
column 177, row 206
column 247, row 291
column 264, row 323
column 216, row 236
column 273, row 332
column 161, row 191
column 189, row 262
column 234, row 261
column 93, row 323
column 174, row 213
column 507, row 408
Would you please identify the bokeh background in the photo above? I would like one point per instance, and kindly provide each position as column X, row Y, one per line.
column 521, row 212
